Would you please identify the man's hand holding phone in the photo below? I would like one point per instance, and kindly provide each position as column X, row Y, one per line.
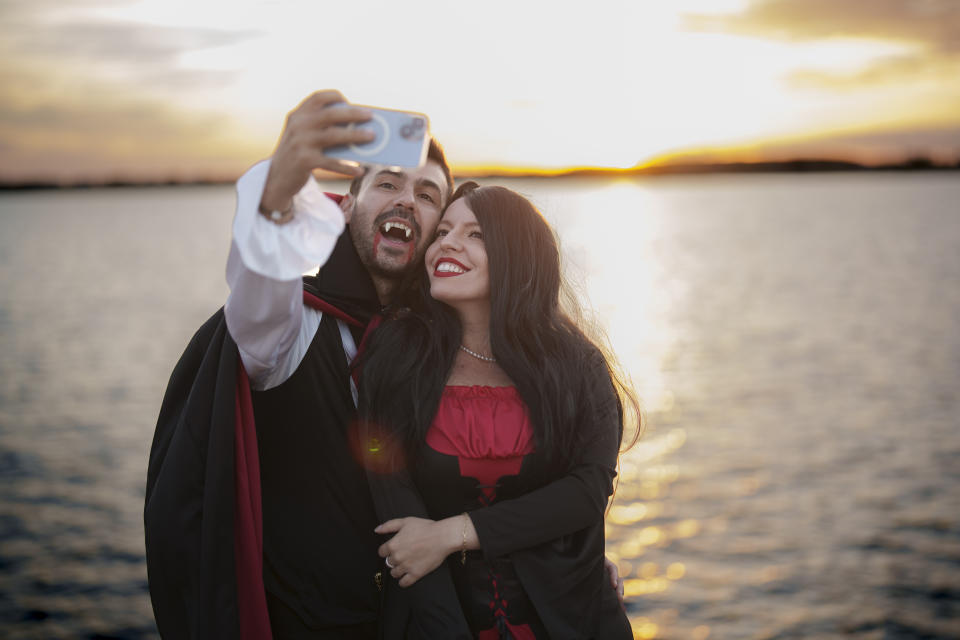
column 325, row 132
column 315, row 125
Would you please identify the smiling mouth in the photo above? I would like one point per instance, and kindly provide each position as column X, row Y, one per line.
column 446, row 268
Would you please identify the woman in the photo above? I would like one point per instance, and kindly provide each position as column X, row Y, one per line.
column 509, row 422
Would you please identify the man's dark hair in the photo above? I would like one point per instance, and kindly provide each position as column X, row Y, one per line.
column 435, row 153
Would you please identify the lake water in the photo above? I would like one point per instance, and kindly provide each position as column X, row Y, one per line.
column 795, row 340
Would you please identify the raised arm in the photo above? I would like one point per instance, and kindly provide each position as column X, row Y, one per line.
column 285, row 226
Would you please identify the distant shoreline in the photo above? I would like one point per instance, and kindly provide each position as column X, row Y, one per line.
column 787, row 166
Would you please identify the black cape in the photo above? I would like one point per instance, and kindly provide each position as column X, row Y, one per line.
column 202, row 509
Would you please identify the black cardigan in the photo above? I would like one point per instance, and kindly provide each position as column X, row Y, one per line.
column 553, row 530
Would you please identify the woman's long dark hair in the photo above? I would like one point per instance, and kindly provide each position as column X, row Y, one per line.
column 553, row 364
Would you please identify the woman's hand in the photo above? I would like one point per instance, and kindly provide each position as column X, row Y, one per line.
column 420, row 545
column 615, row 580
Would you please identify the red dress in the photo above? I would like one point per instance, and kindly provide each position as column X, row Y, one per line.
column 475, row 446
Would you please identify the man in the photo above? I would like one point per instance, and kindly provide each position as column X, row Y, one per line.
column 318, row 577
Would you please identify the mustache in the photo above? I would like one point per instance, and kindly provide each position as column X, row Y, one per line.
column 402, row 214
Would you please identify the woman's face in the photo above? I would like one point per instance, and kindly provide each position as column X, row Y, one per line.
column 456, row 261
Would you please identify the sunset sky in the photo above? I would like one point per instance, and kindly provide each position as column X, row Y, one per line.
column 101, row 89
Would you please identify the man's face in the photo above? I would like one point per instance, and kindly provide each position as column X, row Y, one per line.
column 394, row 215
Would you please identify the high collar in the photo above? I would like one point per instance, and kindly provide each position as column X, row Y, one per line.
column 344, row 281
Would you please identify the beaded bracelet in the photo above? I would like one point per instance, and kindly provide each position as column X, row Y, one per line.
column 277, row 217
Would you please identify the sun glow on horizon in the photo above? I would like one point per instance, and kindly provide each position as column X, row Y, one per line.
column 614, row 87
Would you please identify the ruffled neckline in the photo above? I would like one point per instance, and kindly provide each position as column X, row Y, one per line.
column 480, row 421
column 474, row 390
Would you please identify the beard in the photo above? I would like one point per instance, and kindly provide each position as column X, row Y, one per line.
column 378, row 261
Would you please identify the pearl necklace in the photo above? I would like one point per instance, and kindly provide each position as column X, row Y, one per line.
column 477, row 355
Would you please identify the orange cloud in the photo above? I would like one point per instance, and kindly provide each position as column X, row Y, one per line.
column 88, row 98
column 912, row 69
column 916, row 85
column 95, row 133
column 934, row 24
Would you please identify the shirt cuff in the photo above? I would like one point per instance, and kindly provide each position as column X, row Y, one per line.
column 287, row 251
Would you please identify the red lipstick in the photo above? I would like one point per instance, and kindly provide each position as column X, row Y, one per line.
column 448, row 274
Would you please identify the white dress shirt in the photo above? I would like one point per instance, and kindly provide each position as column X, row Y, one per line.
column 265, row 313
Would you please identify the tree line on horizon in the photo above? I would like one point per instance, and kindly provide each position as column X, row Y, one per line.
column 800, row 165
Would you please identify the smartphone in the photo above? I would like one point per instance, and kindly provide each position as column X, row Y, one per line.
column 402, row 139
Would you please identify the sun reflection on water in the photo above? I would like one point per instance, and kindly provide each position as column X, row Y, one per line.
column 624, row 280
column 619, row 262
column 644, row 628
